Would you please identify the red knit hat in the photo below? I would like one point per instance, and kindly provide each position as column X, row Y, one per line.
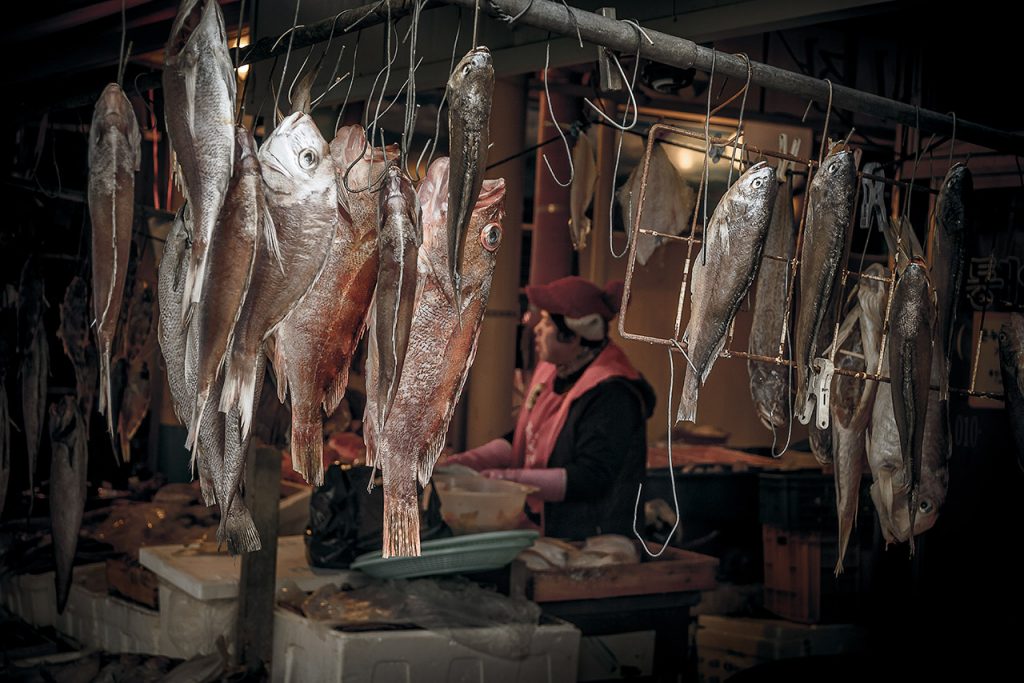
column 577, row 298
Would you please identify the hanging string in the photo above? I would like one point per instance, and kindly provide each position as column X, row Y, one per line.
column 671, row 470
column 558, row 126
column 288, row 52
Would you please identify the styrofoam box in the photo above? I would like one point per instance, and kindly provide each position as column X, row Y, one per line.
column 307, row 652
column 31, row 597
column 726, row 645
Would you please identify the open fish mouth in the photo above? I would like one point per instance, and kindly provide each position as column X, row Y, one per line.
column 771, row 419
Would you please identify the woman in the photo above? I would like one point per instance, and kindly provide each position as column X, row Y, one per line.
column 580, row 438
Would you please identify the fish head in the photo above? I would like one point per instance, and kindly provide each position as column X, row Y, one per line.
column 296, row 161
column 357, row 164
column 772, row 412
column 246, row 154
column 483, row 235
column 471, row 86
column 113, row 115
column 194, row 17
column 398, row 197
column 753, row 195
column 952, row 206
column 839, row 173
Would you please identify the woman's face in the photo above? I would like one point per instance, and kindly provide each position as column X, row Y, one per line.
column 547, row 345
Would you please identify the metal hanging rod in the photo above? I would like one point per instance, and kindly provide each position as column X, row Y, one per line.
column 685, row 54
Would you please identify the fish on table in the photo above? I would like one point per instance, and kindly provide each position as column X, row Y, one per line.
column 199, row 107
column 723, row 272
column 442, row 346
column 115, row 152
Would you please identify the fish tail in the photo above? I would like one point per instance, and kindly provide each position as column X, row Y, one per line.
column 911, row 510
column 126, row 446
column 401, row 520
column 401, row 529
column 63, row 585
column 688, row 401
column 106, row 401
column 239, row 531
column 308, row 450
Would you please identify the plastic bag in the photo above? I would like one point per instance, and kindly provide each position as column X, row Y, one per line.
column 346, row 520
column 459, row 609
column 333, row 520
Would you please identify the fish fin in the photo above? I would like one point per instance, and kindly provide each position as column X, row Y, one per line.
column 189, row 73
column 688, row 401
column 336, row 391
column 179, row 179
column 308, row 449
column 198, row 413
column 711, row 362
column 401, row 522
column 270, row 235
column 239, row 390
column 428, row 458
column 239, row 530
column 279, row 362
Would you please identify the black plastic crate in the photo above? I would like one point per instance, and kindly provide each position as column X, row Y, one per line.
column 806, row 501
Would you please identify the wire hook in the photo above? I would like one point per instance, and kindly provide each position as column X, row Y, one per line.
column 558, row 126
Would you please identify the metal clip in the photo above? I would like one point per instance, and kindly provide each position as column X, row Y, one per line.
column 873, row 198
column 610, row 78
column 822, row 387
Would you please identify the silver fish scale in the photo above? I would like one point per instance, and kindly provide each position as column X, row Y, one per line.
column 200, row 125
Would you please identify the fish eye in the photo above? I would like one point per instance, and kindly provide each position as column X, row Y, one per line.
column 758, row 182
column 308, row 158
column 466, row 69
column 833, row 167
column 490, row 236
column 926, row 506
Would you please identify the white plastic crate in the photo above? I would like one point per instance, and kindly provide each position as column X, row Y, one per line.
column 307, row 652
column 31, row 597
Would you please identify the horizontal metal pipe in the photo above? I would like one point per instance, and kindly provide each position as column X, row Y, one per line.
column 685, row 54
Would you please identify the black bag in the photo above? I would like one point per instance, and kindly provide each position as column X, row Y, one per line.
column 345, row 520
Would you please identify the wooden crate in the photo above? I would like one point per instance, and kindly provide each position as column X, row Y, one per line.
column 799, row 583
column 674, row 571
column 133, row 581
